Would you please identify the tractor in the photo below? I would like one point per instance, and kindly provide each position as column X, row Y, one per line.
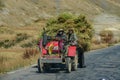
column 52, row 54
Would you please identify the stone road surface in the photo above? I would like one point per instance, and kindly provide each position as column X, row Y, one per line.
column 103, row 64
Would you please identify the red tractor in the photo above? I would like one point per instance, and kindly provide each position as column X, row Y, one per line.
column 51, row 54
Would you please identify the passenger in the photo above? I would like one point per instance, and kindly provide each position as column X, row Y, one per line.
column 61, row 34
column 63, row 38
column 72, row 39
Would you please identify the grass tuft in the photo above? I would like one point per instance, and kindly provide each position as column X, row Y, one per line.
column 30, row 52
column 9, row 43
column 11, row 61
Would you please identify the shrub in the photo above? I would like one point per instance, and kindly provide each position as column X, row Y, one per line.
column 20, row 37
column 1, row 43
column 30, row 52
column 80, row 24
column 9, row 43
column 29, row 44
column 106, row 36
column 1, row 4
column 6, row 30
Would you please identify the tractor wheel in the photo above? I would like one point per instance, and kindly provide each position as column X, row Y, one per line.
column 81, row 60
column 40, row 66
column 68, row 64
column 75, row 63
column 47, row 67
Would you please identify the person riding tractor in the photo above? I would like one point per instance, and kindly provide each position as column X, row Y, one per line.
column 73, row 40
column 62, row 36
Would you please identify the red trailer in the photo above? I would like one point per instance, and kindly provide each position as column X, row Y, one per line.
column 51, row 54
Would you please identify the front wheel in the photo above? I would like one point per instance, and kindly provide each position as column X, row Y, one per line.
column 75, row 63
column 68, row 64
column 40, row 66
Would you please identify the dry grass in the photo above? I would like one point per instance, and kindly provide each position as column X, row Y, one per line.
column 7, row 36
column 99, row 43
column 16, row 56
column 13, row 59
column 98, row 46
column 30, row 52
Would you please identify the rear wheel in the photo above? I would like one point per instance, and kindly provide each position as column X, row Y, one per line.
column 81, row 60
column 40, row 66
column 68, row 64
column 75, row 63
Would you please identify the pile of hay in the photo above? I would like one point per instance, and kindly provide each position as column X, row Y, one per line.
column 80, row 24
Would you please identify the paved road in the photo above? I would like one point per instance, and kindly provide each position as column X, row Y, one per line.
column 102, row 64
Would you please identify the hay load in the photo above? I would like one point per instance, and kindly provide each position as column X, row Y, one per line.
column 80, row 24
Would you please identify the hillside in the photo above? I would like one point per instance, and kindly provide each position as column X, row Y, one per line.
column 21, row 13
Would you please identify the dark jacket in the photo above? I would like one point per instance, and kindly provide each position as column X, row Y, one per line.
column 63, row 36
column 72, row 37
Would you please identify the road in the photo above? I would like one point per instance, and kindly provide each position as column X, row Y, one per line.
column 103, row 64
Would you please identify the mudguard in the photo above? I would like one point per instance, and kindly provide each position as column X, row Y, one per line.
column 44, row 51
column 71, row 51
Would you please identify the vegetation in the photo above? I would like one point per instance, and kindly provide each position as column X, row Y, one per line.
column 18, row 38
column 1, row 4
column 6, row 30
column 30, row 52
column 106, row 36
column 80, row 24
column 13, row 61
column 29, row 44
column 15, row 56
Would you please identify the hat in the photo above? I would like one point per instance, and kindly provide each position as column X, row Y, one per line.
column 61, row 30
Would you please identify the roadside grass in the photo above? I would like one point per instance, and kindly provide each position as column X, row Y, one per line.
column 7, row 43
column 105, row 38
column 98, row 46
column 101, row 45
column 14, row 59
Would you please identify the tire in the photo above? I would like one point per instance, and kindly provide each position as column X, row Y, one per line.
column 47, row 67
column 68, row 64
column 40, row 66
column 75, row 63
column 81, row 60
